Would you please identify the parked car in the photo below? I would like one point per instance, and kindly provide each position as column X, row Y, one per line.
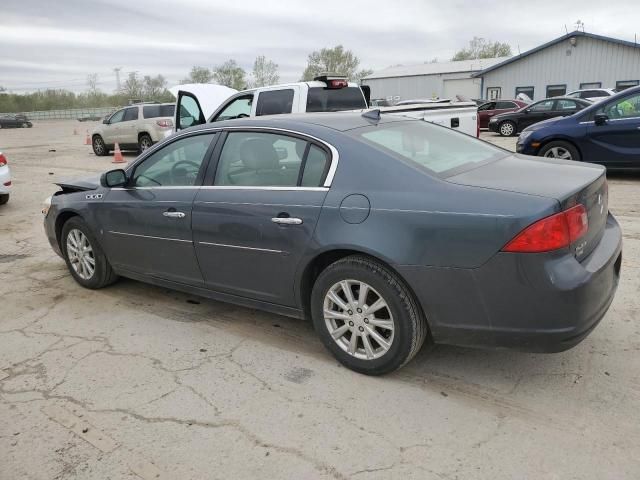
column 90, row 118
column 592, row 94
column 136, row 127
column 507, row 124
column 386, row 231
column 496, row 107
column 5, row 179
column 607, row 133
column 202, row 103
column 15, row 121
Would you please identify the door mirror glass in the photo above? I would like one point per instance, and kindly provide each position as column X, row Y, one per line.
column 600, row 119
column 189, row 112
column 114, row 178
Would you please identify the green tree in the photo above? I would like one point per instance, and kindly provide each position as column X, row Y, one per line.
column 199, row 75
column 154, row 87
column 230, row 75
column 334, row 60
column 481, row 48
column 265, row 72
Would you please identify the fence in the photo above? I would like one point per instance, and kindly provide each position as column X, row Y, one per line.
column 70, row 114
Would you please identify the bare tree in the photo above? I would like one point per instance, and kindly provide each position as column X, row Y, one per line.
column 154, row 87
column 92, row 83
column 265, row 72
column 133, row 87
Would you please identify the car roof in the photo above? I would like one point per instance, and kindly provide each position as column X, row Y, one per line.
column 340, row 121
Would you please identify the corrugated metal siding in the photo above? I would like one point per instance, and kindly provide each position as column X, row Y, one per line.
column 422, row 86
column 591, row 60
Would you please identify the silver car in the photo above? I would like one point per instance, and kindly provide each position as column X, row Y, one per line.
column 135, row 127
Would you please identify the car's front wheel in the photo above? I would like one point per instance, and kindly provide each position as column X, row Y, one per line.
column 25, row 125
column 560, row 150
column 366, row 316
column 99, row 147
column 4, row 198
column 507, row 129
column 84, row 257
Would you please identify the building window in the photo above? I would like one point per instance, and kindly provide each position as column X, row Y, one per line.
column 624, row 84
column 556, row 90
column 528, row 91
column 584, row 86
column 494, row 93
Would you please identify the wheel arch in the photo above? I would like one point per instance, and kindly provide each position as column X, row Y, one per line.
column 62, row 218
column 323, row 259
column 558, row 138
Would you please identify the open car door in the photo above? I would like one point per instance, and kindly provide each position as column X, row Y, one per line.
column 195, row 102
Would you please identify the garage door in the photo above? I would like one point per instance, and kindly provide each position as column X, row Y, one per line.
column 469, row 87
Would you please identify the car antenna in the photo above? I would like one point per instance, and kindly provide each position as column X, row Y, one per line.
column 372, row 115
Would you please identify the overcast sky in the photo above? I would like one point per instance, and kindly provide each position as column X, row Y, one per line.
column 55, row 44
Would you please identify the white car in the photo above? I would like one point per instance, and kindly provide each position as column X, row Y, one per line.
column 592, row 94
column 5, row 179
column 136, row 127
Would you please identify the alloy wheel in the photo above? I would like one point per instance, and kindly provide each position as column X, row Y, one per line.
column 358, row 319
column 98, row 145
column 506, row 129
column 80, row 254
column 558, row 152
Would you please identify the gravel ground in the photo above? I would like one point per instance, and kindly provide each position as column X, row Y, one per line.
column 135, row 381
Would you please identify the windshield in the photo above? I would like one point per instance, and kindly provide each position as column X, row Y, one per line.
column 321, row 99
column 440, row 150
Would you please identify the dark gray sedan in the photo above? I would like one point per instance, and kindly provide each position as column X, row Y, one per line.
column 385, row 231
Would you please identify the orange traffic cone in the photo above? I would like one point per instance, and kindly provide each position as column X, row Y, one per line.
column 117, row 155
column 87, row 140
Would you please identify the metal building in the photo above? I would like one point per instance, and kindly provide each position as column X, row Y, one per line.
column 574, row 61
column 429, row 80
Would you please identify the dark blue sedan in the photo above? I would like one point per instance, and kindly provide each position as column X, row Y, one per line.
column 607, row 133
column 384, row 231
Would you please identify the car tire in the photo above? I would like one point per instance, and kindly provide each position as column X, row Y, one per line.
column 78, row 247
column 4, row 198
column 507, row 129
column 25, row 125
column 560, row 150
column 394, row 332
column 144, row 142
column 99, row 147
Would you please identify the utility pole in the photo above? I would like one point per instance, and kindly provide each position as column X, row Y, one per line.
column 117, row 70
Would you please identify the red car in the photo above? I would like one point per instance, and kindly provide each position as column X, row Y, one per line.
column 489, row 109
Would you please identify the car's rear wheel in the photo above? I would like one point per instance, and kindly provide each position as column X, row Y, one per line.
column 99, row 147
column 560, row 150
column 366, row 316
column 507, row 129
column 25, row 125
column 84, row 257
column 4, row 198
column 144, row 142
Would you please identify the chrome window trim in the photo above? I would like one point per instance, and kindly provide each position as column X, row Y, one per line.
column 611, row 120
column 266, row 250
column 228, row 187
column 149, row 236
column 335, row 156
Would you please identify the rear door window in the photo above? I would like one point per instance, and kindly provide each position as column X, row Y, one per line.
column 544, row 106
column 566, row 105
column 130, row 114
column 321, row 99
column 275, row 102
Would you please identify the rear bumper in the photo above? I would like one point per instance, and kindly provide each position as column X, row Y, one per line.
column 5, row 178
column 545, row 302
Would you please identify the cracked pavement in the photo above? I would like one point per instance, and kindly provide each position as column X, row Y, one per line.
column 136, row 381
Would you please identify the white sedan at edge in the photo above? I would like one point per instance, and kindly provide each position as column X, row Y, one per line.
column 5, row 179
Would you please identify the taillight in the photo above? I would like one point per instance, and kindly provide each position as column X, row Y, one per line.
column 551, row 233
column 3, row 160
column 164, row 123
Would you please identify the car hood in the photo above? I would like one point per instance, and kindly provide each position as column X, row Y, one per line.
column 79, row 184
column 543, row 177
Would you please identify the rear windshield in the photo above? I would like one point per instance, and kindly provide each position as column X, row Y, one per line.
column 320, row 99
column 154, row 111
column 439, row 150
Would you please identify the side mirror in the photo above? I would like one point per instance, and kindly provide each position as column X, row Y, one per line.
column 106, row 120
column 600, row 119
column 114, row 178
column 528, row 110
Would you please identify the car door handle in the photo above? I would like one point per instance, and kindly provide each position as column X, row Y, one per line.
column 173, row 214
column 287, row 220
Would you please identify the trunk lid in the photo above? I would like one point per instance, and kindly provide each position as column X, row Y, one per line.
column 570, row 183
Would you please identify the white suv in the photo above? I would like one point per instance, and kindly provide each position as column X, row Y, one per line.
column 5, row 180
column 136, row 127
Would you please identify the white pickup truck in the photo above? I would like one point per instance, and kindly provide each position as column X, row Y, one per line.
column 205, row 103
